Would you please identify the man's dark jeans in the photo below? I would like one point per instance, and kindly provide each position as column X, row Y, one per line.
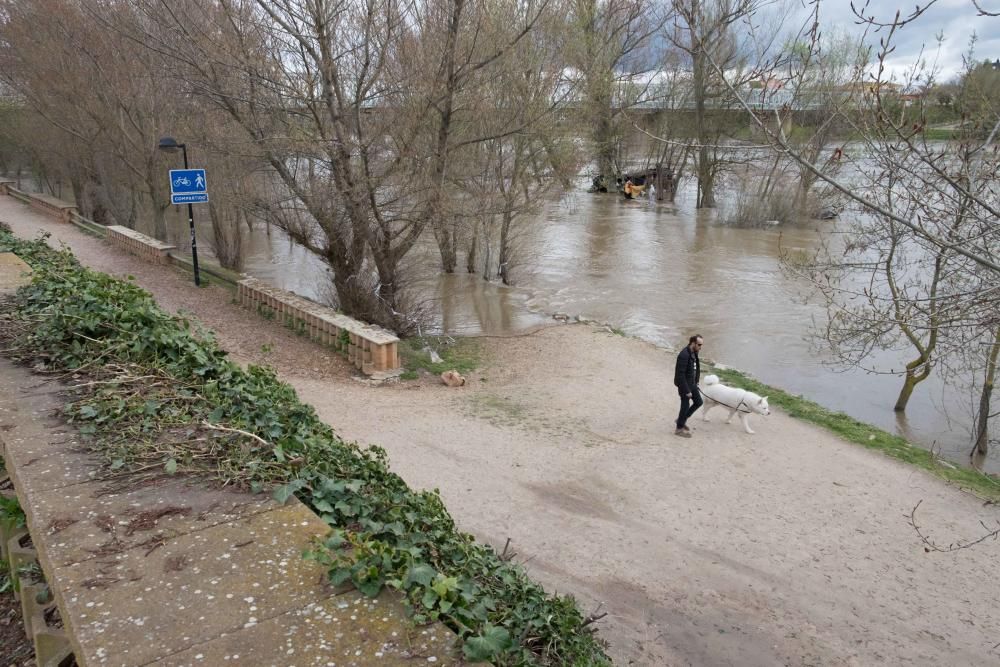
column 688, row 406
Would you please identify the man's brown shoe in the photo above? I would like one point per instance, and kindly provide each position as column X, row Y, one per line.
column 681, row 432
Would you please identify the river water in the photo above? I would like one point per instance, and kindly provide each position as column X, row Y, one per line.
column 663, row 272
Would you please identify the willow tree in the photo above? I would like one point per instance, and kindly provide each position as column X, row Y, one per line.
column 354, row 105
column 611, row 42
column 915, row 268
column 103, row 98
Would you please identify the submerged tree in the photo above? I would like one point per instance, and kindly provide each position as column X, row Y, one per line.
column 917, row 268
column 610, row 44
column 357, row 108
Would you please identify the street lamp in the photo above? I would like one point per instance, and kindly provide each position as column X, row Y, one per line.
column 170, row 144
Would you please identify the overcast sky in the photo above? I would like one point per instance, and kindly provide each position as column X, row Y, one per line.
column 954, row 19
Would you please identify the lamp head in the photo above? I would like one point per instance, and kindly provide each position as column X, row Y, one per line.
column 169, row 144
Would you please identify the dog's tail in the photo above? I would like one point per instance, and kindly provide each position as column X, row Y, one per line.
column 711, row 379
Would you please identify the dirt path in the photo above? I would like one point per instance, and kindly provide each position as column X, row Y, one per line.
column 786, row 547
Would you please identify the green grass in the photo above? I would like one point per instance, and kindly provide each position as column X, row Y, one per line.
column 852, row 430
column 939, row 133
column 461, row 355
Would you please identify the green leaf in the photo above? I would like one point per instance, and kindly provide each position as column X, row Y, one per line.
column 485, row 647
column 339, row 575
column 421, row 573
column 170, row 466
column 88, row 412
column 322, row 506
column 430, row 598
column 444, row 585
column 369, row 587
column 285, row 491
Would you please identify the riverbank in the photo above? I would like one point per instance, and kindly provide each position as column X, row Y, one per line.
column 787, row 547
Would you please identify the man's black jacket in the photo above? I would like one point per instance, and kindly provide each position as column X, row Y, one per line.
column 688, row 371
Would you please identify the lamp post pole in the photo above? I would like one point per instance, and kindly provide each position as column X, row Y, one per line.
column 194, row 240
column 170, row 144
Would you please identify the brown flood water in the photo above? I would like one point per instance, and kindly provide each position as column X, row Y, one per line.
column 662, row 273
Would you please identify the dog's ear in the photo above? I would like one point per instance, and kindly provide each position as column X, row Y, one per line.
column 761, row 401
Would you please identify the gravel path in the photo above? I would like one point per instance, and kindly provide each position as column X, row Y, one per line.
column 788, row 547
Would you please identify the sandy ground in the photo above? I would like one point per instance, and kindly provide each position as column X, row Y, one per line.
column 788, row 547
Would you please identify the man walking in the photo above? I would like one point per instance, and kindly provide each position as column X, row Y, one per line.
column 686, row 376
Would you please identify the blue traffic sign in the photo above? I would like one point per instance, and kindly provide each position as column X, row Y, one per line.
column 188, row 186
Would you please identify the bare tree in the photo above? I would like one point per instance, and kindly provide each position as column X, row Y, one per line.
column 918, row 267
column 610, row 44
column 357, row 107
column 706, row 30
column 104, row 93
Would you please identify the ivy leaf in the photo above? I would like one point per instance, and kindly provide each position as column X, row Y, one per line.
column 88, row 412
column 444, row 585
column 422, row 573
column 170, row 466
column 322, row 506
column 369, row 587
column 485, row 647
column 339, row 575
column 429, row 599
column 286, row 491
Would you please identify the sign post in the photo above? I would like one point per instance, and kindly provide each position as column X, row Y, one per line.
column 189, row 186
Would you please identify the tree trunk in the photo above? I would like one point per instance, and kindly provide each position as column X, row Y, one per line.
column 470, row 256
column 446, row 245
column 505, row 249
column 706, row 170
column 604, row 141
column 449, row 73
column 982, row 446
column 912, row 379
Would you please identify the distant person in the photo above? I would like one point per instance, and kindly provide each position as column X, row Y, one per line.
column 628, row 188
column 652, row 193
column 686, row 375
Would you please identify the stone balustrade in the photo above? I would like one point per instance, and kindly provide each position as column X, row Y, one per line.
column 139, row 244
column 372, row 349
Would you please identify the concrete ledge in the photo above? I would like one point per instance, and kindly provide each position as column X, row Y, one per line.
column 57, row 208
column 175, row 573
column 139, row 244
column 370, row 348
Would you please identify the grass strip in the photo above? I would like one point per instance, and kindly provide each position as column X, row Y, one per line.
column 869, row 436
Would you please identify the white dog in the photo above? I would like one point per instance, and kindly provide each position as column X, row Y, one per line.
column 737, row 400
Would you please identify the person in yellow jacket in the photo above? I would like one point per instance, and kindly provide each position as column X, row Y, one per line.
column 628, row 188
